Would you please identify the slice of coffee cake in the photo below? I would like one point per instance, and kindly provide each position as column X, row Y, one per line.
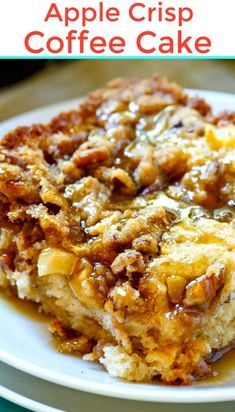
column 118, row 219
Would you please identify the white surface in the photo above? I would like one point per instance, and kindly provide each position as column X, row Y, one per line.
column 26, row 344
column 212, row 18
column 41, row 396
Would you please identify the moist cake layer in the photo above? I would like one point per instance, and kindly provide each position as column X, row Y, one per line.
column 118, row 219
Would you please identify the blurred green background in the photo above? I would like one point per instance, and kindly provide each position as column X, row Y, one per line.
column 6, row 406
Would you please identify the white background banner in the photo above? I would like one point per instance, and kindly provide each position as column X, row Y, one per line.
column 166, row 28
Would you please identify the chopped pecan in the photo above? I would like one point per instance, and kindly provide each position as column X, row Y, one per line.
column 90, row 156
column 204, row 289
column 130, row 260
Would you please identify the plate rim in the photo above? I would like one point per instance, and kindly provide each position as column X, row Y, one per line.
column 25, row 402
column 164, row 394
column 55, row 393
column 189, row 394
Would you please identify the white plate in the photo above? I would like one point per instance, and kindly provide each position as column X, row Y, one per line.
column 41, row 396
column 26, row 343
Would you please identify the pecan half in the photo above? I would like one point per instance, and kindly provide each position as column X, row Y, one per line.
column 204, row 289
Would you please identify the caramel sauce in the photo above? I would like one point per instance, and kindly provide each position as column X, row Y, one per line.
column 224, row 368
column 25, row 307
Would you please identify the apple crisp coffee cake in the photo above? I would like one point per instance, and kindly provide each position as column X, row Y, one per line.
column 118, row 219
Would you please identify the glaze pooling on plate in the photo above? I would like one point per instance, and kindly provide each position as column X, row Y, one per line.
column 161, row 202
